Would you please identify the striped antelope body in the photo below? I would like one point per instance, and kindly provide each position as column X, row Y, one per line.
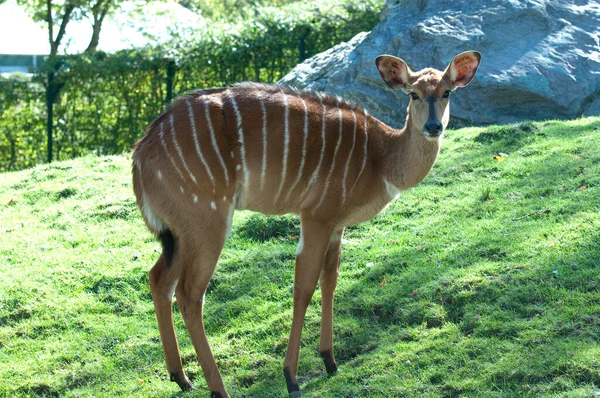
column 276, row 151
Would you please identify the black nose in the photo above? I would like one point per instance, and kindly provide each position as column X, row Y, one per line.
column 434, row 127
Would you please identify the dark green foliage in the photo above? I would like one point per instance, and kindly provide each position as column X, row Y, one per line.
column 261, row 228
column 106, row 100
column 510, row 134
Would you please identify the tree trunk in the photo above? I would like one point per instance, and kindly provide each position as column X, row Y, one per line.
column 49, row 109
column 99, row 10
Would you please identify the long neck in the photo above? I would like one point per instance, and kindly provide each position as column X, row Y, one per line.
column 410, row 156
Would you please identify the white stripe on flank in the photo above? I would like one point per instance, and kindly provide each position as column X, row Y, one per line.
column 349, row 158
column 362, row 168
column 263, row 172
column 337, row 147
column 238, row 117
column 197, row 144
column 286, row 143
column 164, row 145
column 304, row 142
column 315, row 174
column 213, row 140
column 178, row 149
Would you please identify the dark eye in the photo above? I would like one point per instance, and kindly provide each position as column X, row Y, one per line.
column 446, row 94
column 414, row 96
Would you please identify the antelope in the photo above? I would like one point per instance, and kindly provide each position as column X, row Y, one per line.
column 276, row 151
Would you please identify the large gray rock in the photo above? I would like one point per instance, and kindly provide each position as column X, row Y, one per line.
column 540, row 58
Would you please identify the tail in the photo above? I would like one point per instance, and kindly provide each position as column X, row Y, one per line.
column 167, row 240
column 153, row 221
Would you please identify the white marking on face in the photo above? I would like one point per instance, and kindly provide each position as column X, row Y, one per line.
column 213, row 205
column 286, row 143
column 337, row 147
column 178, row 148
column 238, row 117
column 197, row 144
column 364, row 162
column 304, row 143
column 213, row 140
column 161, row 135
column 434, row 139
column 263, row 171
column 347, row 168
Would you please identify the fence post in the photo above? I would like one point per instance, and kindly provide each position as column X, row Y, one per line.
column 49, row 115
column 170, row 75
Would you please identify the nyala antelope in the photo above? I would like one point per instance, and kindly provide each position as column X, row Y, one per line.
column 276, row 151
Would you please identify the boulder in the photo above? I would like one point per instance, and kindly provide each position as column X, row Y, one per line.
column 540, row 59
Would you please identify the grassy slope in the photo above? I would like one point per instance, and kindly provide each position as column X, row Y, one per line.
column 484, row 296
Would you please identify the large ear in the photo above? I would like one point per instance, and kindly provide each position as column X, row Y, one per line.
column 462, row 68
column 394, row 72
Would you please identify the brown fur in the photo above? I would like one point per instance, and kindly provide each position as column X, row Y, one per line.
column 182, row 186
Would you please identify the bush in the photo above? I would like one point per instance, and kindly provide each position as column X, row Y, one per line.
column 107, row 100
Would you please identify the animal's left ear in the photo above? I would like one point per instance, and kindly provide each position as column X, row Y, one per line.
column 462, row 68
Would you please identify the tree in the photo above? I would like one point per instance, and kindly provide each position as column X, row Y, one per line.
column 98, row 11
column 231, row 9
column 57, row 14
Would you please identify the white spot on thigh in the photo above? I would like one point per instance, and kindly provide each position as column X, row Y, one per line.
column 213, row 205
column 181, row 188
column 224, row 198
column 238, row 167
column 195, row 197
column 232, row 155
column 159, row 175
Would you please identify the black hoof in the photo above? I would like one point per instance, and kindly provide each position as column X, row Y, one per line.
column 184, row 384
column 293, row 388
column 330, row 365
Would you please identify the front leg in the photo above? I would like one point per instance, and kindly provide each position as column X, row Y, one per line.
column 329, row 277
column 309, row 260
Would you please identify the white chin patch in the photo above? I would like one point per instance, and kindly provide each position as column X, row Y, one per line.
column 433, row 138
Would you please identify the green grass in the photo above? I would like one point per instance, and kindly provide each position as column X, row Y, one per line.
column 492, row 270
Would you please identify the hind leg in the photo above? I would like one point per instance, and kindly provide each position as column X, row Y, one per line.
column 163, row 281
column 198, row 264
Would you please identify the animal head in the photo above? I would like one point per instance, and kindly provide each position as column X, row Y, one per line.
column 429, row 89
